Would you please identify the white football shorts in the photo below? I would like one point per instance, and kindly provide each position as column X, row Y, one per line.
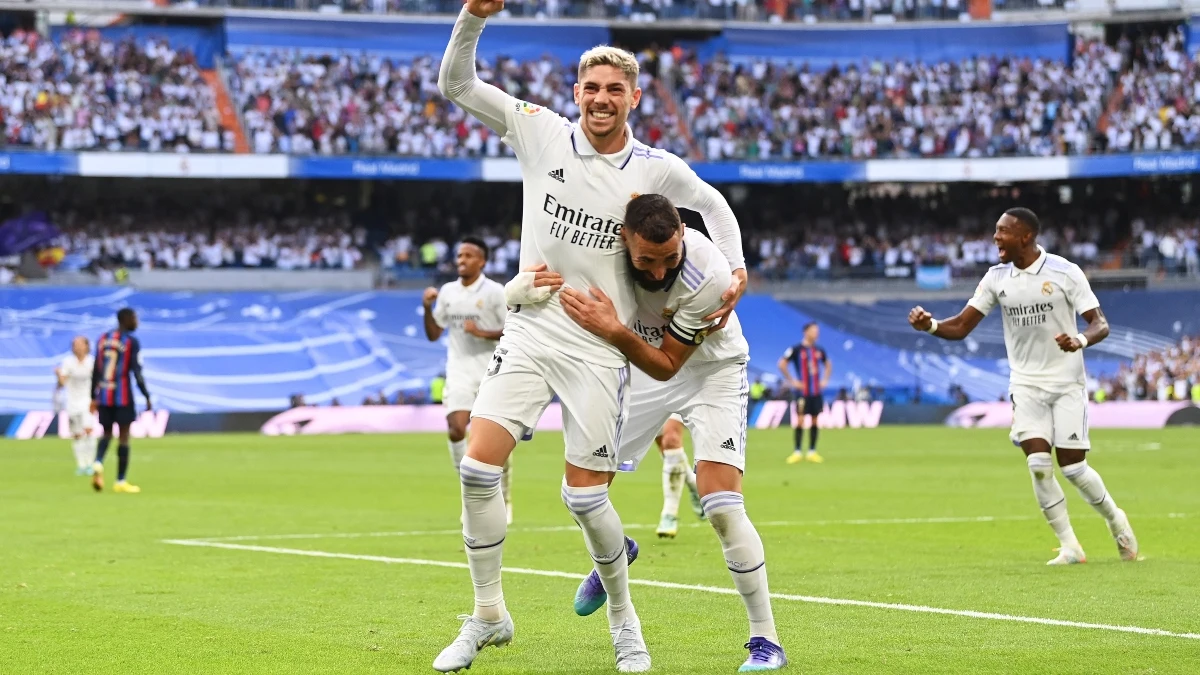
column 1061, row 418
column 524, row 376
column 79, row 423
column 711, row 398
column 460, row 393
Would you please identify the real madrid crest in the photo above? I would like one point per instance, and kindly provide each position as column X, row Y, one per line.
column 1047, row 289
column 700, row 335
column 479, row 303
column 667, row 313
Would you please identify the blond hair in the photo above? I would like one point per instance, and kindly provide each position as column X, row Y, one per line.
column 604, row 55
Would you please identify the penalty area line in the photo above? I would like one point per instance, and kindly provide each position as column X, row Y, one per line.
column 923, row 609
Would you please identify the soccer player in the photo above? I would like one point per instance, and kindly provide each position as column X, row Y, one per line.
column 675, row 474
column 682, row 368
column 808, row 360
column 577, row 179
column 472, row 310
column 1039, row 295
column 75, row 376
column 118, row 364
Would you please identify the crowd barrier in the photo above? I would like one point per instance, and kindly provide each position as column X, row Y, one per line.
column 507, row 170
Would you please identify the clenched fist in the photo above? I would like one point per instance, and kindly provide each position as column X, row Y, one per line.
column 430, row 297
column 920, row 319
column 484, row 8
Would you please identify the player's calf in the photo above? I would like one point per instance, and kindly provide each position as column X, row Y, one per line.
column 1053, row 502
column 1091, row 487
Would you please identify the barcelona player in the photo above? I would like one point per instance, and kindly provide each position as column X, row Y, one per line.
column 118, row 364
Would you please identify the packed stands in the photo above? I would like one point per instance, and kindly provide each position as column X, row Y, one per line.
column 1171, row 374
column 91, row 93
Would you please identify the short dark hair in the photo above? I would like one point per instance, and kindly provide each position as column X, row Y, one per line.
column 653, row 218
column 1024, row 215
column 124, row 314
column 810, row 324
column 476, row 241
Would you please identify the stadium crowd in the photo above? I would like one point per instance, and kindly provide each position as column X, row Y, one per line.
column 108, row 243
column 87, row 92
column 90, row 93
column 1169, row 375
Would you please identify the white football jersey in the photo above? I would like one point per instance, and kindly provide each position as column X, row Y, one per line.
column 695, row 293
column 1038, row 303
column 481, row 302
column 574, row 200
column 79, row 381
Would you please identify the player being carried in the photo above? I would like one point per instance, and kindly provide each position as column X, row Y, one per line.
column 472, row 310
column 682, row 368
column 118, row 364
column 1039, row 295
column 75, row 377
column 577, row 178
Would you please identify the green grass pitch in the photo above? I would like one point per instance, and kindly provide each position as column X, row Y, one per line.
column 928, row 517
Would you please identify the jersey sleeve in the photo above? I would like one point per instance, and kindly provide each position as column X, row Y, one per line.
column 683, row 187
column 65, row 367
column 985, row 295
column 823, row 355
column 1079, row 291
column 688, row 325
column 532, row 128
column 789, row 352
column 497, row 308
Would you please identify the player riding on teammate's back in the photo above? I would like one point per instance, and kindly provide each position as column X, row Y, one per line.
column 577, row 178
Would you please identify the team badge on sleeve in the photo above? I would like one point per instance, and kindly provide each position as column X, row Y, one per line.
column 524, row 108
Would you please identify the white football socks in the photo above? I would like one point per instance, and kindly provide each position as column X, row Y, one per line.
column 484, row 527
column 506, row 481
column 85, row 452
column 1091, row 487
column 1051, row 498
column 674, row 467
column 458, row 450
column 745, row 558
column 605, row 539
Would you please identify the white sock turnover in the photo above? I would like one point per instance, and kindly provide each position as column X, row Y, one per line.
column 484, row 527
column 745, row 558
column 1051, row 498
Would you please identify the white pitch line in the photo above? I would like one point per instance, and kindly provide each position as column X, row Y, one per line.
column 703, row 589
column 630, row 526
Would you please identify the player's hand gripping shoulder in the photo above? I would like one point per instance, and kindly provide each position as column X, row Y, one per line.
column 532, row 286
column 484, row 8
column 730, row 298
column 594, row 312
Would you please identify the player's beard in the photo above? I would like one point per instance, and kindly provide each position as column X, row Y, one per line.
column 649, row 283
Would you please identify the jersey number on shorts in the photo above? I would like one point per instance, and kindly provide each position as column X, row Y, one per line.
column 497, row 361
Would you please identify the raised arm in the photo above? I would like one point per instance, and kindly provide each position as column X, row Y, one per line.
column 433, row 328
column 957, row 327
column 457, row 79
column 1084, row 301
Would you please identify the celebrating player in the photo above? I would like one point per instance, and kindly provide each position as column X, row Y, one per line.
column 75, row 376
column 808, row 360
column 577, row 179
column 675, row 474
column 1039, row 295
column 683, row 369
column 118, row 363
column 472, row 309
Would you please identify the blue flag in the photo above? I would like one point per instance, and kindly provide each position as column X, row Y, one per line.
column 22, row 233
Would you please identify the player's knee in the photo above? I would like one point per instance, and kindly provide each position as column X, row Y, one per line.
column 456, row 432
column 584, row 501
column 1040, row 465
column 479, row 480
column 1070, row 456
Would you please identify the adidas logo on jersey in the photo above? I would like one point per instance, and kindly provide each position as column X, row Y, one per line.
column 1002, row 295
column 728, row 444
column 1073, row 437
column 602, row 452
column 557, row 175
